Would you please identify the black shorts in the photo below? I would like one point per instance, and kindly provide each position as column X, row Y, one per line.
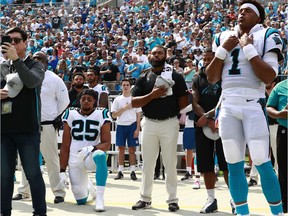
column 205, row 152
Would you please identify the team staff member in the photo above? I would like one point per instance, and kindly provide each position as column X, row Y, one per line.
column 20, row 113
column 160, row 102
column 205, row 98
column 128, row 128
column 277, row 108
column 86, row 138
column 54, row 100
column 246, row 60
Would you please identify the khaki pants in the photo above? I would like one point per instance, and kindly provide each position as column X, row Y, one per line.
column 156, row 134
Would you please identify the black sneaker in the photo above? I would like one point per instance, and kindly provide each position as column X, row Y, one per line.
column 119, row 176
column 187, row 176
column 58, row 199
column 252, row 182
column 133, row 176
column 173, row 207
column 141, row 205
column 20, row 197
column 156, row 176
column 210, row 207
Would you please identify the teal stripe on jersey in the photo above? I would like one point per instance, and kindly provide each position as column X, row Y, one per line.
column 65, row 116
column 105, row 113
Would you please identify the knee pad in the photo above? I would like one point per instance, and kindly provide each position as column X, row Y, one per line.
column 99, row 156
column 234, row 153
column 259, row 151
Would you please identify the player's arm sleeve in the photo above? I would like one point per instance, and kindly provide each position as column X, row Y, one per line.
column 273, row 43
column 66, row 117
column 62, row 96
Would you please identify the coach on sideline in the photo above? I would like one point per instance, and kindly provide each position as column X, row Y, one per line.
column 21, row 79
column 54, row 100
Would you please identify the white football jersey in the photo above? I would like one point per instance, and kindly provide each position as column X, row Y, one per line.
column 237, row 74
column 85, row 130
column 100, row 89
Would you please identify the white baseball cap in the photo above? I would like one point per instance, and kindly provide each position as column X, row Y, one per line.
column 210, row 134
column 13, row 84
column 168, row 83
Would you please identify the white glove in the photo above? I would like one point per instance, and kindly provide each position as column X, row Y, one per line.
column 64, row 182
column 84, row 152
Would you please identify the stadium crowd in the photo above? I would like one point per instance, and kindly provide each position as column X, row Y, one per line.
column 81, row 36
column 104, row 45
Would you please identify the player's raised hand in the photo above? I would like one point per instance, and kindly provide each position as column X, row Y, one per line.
column 245, row 40
column 230, row 43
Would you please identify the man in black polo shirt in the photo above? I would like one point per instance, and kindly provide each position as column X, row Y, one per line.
column 162, row 93
column 111, row 74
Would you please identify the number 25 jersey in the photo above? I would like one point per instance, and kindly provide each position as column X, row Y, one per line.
column 85, row 129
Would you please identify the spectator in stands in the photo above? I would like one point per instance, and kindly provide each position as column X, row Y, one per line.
column 128, row 128
column 118, row 61
column 134, row 69
column 110, row 74
column 78, row 81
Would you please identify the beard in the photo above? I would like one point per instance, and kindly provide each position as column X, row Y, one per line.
column 79, row 85
column 157, row 63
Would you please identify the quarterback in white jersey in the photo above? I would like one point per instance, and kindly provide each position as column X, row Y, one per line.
column 86, row 138
column 246, row 60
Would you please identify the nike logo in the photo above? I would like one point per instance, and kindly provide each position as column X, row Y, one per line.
column 249, row 100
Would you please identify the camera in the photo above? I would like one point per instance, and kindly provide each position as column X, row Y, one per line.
column 5, row 38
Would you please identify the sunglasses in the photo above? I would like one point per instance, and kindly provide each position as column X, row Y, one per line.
column 16, row 40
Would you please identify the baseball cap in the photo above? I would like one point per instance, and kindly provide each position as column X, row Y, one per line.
column 13, row 84
column 210, row 134
column 168, row 83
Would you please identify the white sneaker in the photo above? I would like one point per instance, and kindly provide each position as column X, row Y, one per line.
column 42, row 169
column 99, row 207
column 196, row 184
column 91, row 189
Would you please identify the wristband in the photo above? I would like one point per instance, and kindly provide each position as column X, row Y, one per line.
column 221, row 53
column 250, row 51
column 62, row 170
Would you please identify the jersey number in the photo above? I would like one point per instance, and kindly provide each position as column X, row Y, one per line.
column 234, row 69
column 78, row 127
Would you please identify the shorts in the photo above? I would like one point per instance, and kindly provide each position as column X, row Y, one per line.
column 125, row 133
column 189, row 138
column 205, row 152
